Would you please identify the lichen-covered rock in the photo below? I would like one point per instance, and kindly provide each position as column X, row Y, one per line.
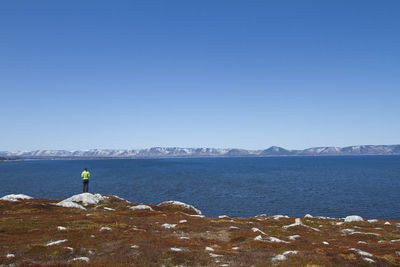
column 179, row 206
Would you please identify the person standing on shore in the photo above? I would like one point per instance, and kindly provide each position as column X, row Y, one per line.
column 85, row 178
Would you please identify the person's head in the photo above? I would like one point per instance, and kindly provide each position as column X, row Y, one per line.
column 85, row 169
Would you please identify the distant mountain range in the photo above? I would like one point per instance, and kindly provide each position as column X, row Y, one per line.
column 174, row 152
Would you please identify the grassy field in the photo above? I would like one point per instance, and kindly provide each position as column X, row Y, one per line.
column 111, row 234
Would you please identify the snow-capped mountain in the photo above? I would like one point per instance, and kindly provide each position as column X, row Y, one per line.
column 170, row 152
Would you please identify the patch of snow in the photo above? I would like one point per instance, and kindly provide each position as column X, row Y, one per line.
column 61, row 228
column 182, row 221
column 209, row 249
column 339, row 223
column 361, row 252
column 395, row 240
column 233, row 227
column 52, row 243
column 308, row 216
column 176, row 249
column 10, row 255
column 325, row 243
column 15, row 197
column 80, row 259
column 372, row 221
column 223, row 216
column 173, row 202
column 105, row 229
column 214, row 255
column 258, row 238
column 277, row 217
column 184, row 237
column 353, row 218
column 69, row 248
column 106, row 208
column 293, row 237
column 258, row 230
column 362, row 242
column 387, row 223
column 168, row 226
column 369, row 260
column 235, row 248
column 141, row 207
column 135, row 246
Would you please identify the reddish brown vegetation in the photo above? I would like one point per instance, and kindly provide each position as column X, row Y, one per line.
column 27, row 226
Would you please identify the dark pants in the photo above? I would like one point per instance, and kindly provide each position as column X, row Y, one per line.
column 85, row 186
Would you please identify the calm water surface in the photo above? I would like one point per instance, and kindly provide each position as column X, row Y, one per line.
column 322, row 186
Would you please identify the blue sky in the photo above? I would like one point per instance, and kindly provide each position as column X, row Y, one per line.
column 245, row 74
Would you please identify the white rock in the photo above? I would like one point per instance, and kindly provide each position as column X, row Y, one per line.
column 69, row 248
column 86, row 198
column 105, row 229
column 80, row 259
column 223, row 216
column 10, row 255
column 353, row 218
column 198, row 212
column 176, row 249
column 15, row 197
column 182, row 221
column 209, row 249
column 70, row 204
column 369, row 260
column 52, row 243
column 372, row 221
column 308, row 216
column 339, row 223
column 395, row 240
column 277, row 217
column 233, row 227
column 168, row 226
column 387, row 223
column 362, row 253
column 325, row 243
column 61, row 228
column 293, row 237
column 214, row 255
column 120, row 198
column 362, row 242
column 184, row 237
column 110, row 209
column 141, row 207
column 277, row 240
column 258, row 230
column 258, row 238
column 235, row 248
column 281, row 257
column 135, row 246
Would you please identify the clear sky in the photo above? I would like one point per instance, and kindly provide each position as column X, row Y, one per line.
column 219, row 73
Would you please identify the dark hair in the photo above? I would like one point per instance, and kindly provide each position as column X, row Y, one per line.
column 85, row 169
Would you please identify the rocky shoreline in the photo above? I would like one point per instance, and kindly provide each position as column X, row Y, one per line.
column 97, row 230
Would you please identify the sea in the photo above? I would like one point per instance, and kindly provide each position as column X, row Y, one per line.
column 330, row 186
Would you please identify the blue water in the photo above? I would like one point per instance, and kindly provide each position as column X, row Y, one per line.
column 368, row 186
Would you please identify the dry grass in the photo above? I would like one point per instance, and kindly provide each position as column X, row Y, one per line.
column 27, row 226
